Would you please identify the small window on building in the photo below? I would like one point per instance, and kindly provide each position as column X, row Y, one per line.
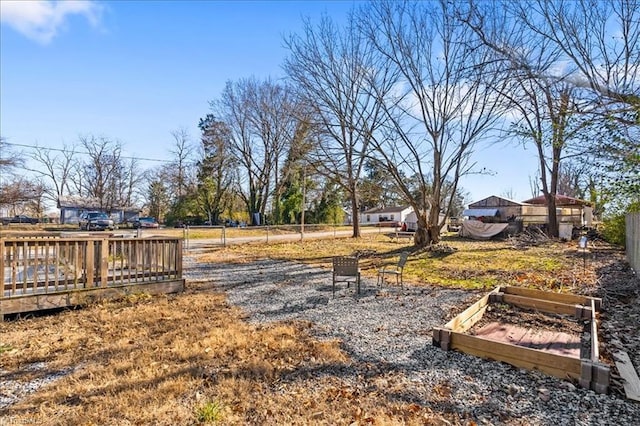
column 391, row 217
column 368, row 218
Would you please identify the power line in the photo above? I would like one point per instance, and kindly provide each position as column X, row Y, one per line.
column 81, row 152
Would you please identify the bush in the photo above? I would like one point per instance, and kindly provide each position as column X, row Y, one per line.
column 614, row 227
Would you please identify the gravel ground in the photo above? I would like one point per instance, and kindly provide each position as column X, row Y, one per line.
column 388, row 331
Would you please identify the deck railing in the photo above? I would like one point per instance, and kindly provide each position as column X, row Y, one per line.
column 37, row 265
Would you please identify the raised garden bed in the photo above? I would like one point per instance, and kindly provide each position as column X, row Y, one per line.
column 532, row 329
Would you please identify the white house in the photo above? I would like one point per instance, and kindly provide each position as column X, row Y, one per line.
column 385, row 214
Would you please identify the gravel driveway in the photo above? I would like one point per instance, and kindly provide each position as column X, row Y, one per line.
column 390, row 328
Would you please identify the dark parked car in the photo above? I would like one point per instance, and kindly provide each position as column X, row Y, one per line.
column 94, row 221
column 20, row 218
column 145, row 222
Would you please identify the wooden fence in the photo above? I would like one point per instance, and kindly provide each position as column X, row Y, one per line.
column 633, row 240
column 49, row 272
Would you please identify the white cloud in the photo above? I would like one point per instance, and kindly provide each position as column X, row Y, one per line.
column 41, row 20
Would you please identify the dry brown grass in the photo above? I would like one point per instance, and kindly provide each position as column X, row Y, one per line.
column 192, row 359
column 165, row 360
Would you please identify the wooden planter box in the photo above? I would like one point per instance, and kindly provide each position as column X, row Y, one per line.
column 589, row 372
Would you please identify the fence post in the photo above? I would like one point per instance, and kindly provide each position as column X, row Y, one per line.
column 2, row 254
column 1, row 276
column 179, row 259
column 104, row 261
column 224, row 236
column 89, row 263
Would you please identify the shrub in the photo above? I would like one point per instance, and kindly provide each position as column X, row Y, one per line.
column 209, row 412
column 614, row 227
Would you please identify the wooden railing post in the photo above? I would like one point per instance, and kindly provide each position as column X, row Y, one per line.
column 104, row 261
column 89, row 258
column 179, row 259
column 2, row 254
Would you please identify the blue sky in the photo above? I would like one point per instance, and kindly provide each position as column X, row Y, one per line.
column 136, row 70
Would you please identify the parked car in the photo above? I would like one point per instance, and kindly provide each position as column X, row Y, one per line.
column 94, row 221
column 145, row 222
column 20, row 218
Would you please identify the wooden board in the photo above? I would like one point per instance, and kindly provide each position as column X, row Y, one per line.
column 467, row 318
column 556, row 365
column 629, row 374
column 79, row 297
column 539, row 304
column 568, row 299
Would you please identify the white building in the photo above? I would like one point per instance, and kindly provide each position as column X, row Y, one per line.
column 385, row 214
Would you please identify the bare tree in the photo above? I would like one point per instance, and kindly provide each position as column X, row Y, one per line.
column 275, row 121
column 11, row 190
column 443, row 104
column 260, row 119
column 182, row 160
column 56, row 169
column 21, row 195
column 9, row 159
column 545, row 107
column 217, row 169
column 158, row 198
column 600, row 39
column 534, row 185
column 334, row 71
column 128, row 182
column 509, row 193
column 104, row 175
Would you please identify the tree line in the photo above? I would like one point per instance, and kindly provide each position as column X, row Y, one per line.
column 390, row 107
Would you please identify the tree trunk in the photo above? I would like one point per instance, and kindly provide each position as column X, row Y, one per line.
column 434, row 234
column 355, row 214
column 421, row 237
column 424, row 234
column 553, row 230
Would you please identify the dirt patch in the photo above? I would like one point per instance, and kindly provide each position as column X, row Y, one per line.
column 525, row 318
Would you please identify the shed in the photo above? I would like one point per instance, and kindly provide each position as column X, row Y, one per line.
column 569, row 210
column 487, row 207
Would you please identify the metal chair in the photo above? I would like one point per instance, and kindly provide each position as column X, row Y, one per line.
column 345, row 269
column 394, row 269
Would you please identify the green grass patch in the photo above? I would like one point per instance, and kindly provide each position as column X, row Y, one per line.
column 210, row 412
column 455, row 262
column 5, row 348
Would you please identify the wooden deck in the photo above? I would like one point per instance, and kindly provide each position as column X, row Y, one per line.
column 45, row 272
column 556, row 354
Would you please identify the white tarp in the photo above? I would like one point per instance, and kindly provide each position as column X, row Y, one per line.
column 481, row 231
